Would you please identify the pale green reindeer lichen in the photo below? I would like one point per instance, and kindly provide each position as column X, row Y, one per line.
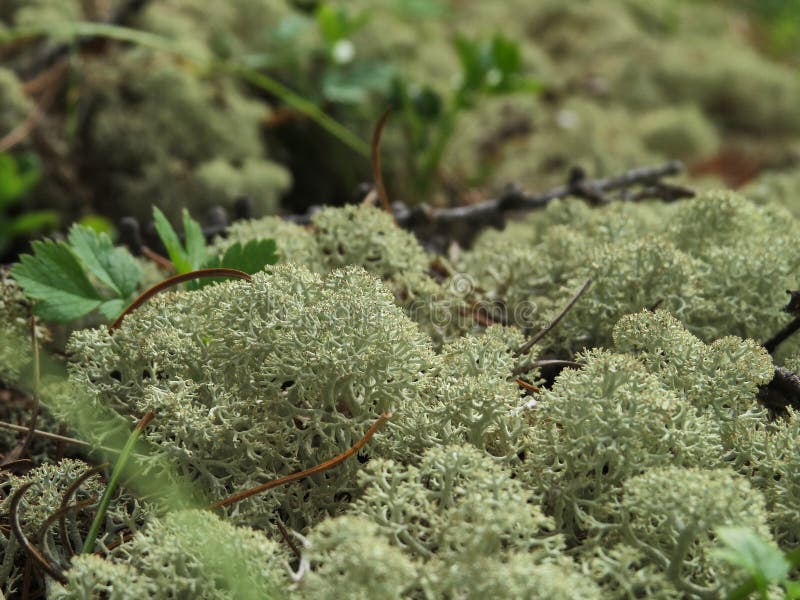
column 673, row 525
column 186, row 554
column 253, row 380
column 601, row 425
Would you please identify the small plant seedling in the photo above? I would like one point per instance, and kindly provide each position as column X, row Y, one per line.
column 192, row 254
column 766, row 565
column 70, row 279
column 17, row 178
column 488, row 67
column 189, row 255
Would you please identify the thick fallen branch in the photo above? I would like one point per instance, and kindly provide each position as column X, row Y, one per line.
column 793, row 308
column 437, row 227
column 782, row 391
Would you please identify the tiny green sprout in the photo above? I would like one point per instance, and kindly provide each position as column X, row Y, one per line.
column 116, row 474
column 765, row 564
column 193, row 255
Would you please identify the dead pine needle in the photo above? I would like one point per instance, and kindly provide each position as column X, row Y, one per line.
column 162, row 261
column 51, row 436
column 528, row 387
column 46, row 565
column 328, row 464
column 288, row 539
column 547, row 362
column 552, row 324
column 173, row 281
column 63, row 509
column 377, row 172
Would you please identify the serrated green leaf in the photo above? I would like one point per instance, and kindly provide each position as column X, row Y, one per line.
column 744, row 548
column 195, row 241
column 171, row 242
column 251, row 258
column 111, row 309
column 115, row 267
column 55, row 278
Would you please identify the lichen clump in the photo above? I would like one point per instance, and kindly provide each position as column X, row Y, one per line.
column 253, row 380
column 493, row 476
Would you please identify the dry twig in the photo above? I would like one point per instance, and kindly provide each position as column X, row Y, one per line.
column 328, row 464
column 552, row 324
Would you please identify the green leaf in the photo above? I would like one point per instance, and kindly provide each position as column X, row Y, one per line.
column 115, row 267
column 99, row 223
column 473, row 67
column 195, row 241
column 111, row 309
column 251, row 258
column 33, row 221
column 332, row 23
column 792, row 590
column 171, row 242
column 506, row 56
column 427, row 103
column 54, row 276
column 744, row 548
column 16, row 178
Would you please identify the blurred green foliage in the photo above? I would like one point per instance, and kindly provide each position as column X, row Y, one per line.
column 17, row 177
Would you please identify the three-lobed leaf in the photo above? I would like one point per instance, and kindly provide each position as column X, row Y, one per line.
column 57, row 276
column 115, row 267
column 54, row 277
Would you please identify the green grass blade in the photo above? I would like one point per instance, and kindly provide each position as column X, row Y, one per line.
column 150, row 40
column 116, row 473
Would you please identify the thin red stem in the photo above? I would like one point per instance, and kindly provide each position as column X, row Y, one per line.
column 173, row 281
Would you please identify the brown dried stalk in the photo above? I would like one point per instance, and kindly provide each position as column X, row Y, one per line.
column 328, row 464
column 377, row 173
column 45, row 563
column 173, row 281
column 552, row 324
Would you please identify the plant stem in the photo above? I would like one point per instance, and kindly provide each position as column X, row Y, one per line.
column 157, row 42
column 116, row 473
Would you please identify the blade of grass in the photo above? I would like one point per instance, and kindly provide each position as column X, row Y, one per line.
column 116, row 473
column 37, row 377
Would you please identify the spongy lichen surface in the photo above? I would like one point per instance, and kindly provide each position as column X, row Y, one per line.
column 475, row 485
column 252, row 380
